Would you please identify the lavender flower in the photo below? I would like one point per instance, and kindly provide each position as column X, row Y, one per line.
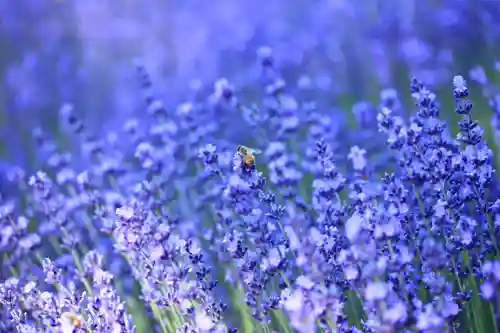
column 379, row 220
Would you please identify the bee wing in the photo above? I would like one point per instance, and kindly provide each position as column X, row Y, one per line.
column 254, row 151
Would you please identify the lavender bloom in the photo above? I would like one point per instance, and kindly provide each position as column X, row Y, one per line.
column 153, row 219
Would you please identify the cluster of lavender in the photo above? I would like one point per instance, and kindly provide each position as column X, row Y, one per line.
column 168, row 227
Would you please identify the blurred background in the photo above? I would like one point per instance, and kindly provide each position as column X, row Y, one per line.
column 82, row 52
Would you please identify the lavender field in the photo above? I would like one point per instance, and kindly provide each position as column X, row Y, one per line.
column 249, row 166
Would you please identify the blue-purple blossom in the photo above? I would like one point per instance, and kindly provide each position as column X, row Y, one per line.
column 127, row 207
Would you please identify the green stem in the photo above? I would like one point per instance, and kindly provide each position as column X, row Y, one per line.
column 165, row 325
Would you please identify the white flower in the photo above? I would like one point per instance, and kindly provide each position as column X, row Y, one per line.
column 304, row 282
column 292, row 236
column 459, row 82
column 125, row 212
column 295, row 302
column 375, row 291
column 204, row 322
column 274, row 257
column 353, row 226
column 116, row 327
column 357, row 156
column 351, row 273
column 29, row 287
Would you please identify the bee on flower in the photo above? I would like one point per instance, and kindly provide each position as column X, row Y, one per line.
column 71, row 322
column 248, row 155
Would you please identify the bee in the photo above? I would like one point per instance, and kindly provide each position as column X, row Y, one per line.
column 71, row 320
column 248, row 155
